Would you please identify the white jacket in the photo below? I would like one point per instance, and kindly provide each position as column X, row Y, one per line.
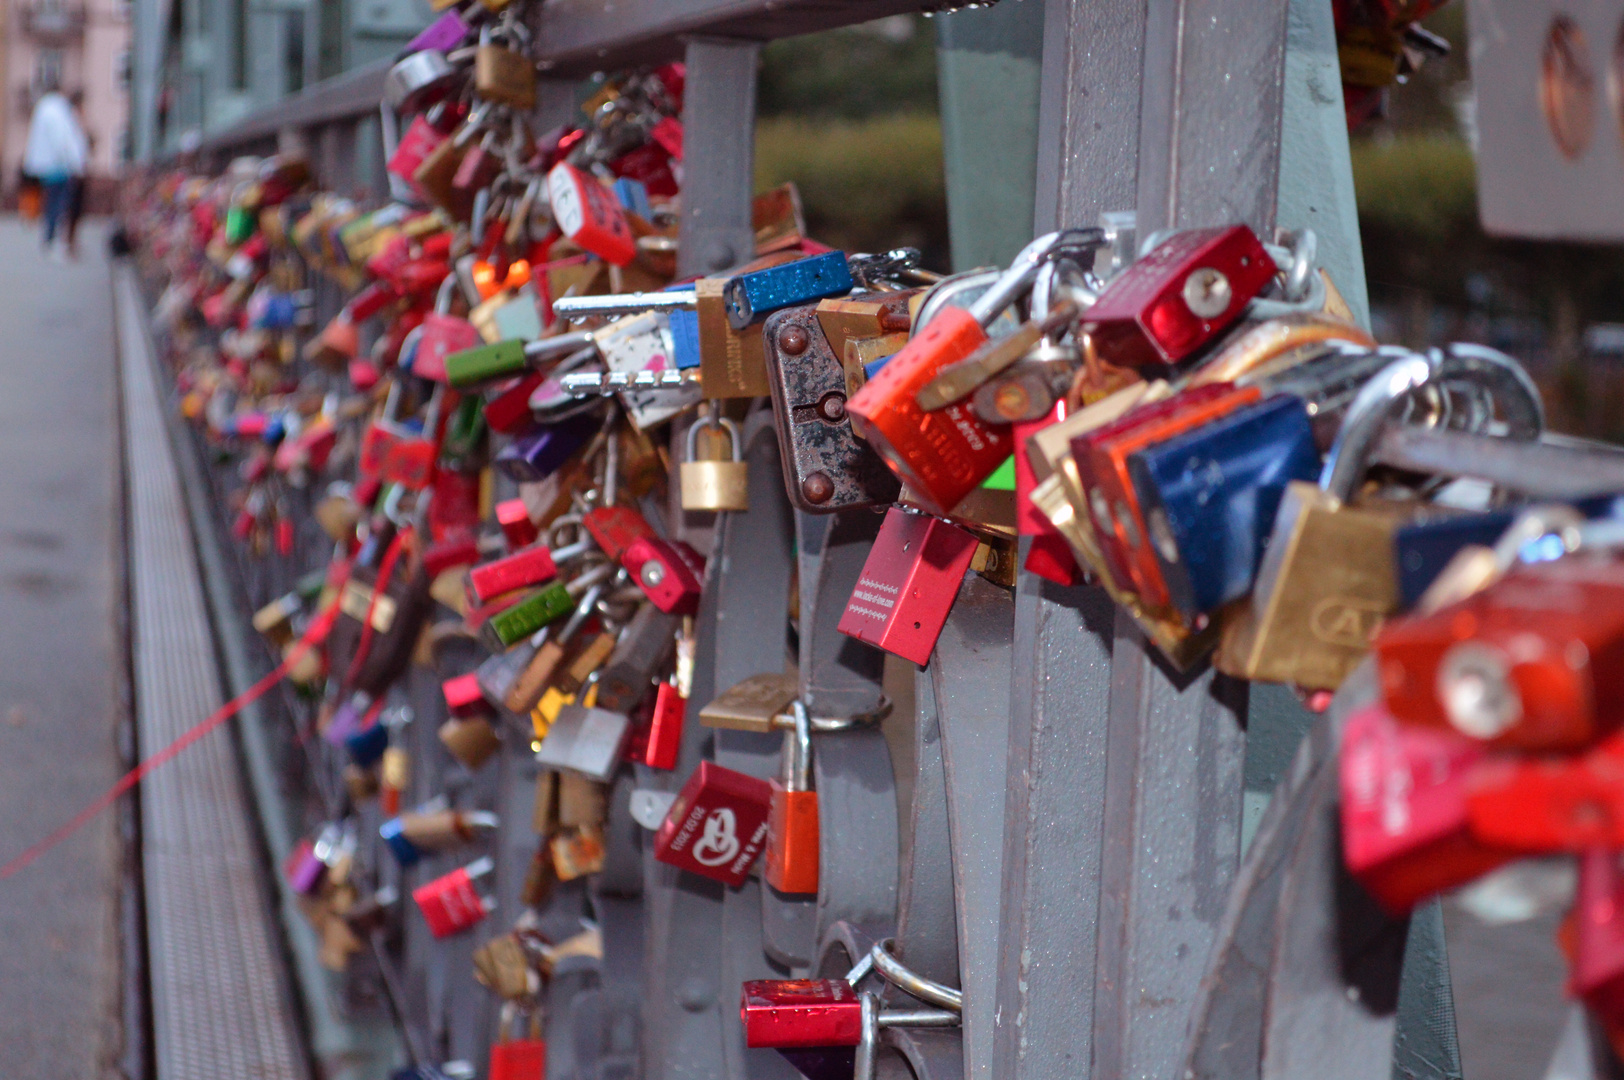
column 56, row 142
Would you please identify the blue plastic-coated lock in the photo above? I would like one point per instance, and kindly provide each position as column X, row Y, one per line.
column 752, row 297
column 1209, row 497
column 276, row 429
column 406, row 853
column 633, row 195
column 1421, row 549
column 872, row 368
column 684, row 332
column 539, row 452
column 367, row 745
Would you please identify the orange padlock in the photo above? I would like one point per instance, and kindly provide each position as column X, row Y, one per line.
column 792, row 824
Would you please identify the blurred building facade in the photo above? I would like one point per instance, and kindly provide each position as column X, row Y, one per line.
column 201, row 65
column 77, row 45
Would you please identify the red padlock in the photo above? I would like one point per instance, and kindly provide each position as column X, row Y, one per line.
column 1595, row 936
column 454, row 507
column 463, row 696
column 508, row 410
column 670, row 572
column 792, row 827
column 1181, row 295
column 416, row 144
column 450, row 904
column 531, row 566
column 665, row 728
column 1534, row 662
column 1102, row 468
column 1405, row 832
column 717, row 825
column 942, row 455
column 616, row 528
column 780, row 1013
column 587, row 213
column 908, row 584
column 514, row 518
column 1549, row 804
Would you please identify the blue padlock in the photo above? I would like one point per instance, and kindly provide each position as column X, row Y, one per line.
column 539, row 452
column 1421, row 549
column 752, row 297
column 367, row 745
column 1209, row 497
column 684, row 331
column 633, row 195
column 405, row 852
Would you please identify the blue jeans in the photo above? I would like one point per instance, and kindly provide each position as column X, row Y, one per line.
column 57, row 195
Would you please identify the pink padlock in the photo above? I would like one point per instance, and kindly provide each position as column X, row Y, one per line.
column 450, row 904
column 908, row 584
column 718, row 825
column 669, row 571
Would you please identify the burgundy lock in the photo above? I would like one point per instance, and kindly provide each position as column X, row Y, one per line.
column 369, row 302
column 1179, row 296
column 514, row 518
column 908, row 584
column 462, row 696
column 665, row 728
column 1405, row 828
column 454, row 505
column 445, row 554
column 376, row 443
column 1597, row 937
column 509, row 410
column 800, row 1012
column 717, row 826
column 531, row 566
column 616, row 528
column 1542, row 804
column 669, row 571
column 450, row 904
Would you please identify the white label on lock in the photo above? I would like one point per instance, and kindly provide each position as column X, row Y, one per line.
column 643, row 343
column 649, row 807
column 720, row 842
column 564, row 192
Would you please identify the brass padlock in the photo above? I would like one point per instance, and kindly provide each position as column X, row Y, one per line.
column 471, row 740
column 503, row 75
column 715, row 485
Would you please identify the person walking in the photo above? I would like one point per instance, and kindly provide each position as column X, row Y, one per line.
column 56, row 154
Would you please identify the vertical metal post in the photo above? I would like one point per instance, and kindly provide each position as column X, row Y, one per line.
column 718, row 125
column 988, row 68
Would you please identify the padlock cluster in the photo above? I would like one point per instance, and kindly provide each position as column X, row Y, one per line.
column 486, row 461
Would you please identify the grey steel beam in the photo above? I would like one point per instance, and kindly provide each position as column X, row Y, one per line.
column 718, row 133
column 353, row 94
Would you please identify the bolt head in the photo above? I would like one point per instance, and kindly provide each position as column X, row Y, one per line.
column 792, row 340
column 818, row 488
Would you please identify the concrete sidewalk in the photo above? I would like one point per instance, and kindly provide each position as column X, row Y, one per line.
column 61, row 664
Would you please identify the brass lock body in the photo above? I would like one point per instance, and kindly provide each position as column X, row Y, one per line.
column 715, row 485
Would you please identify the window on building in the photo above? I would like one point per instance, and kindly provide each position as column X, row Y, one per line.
column 47, row 71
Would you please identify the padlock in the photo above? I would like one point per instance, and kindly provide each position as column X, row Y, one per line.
column 394, row 775
column 717, row 826
column 800, row 1012
column 519, row 621
column 550, row 656
column 792, row 830
column 637, row 344
column 664, row 742
column 616, row 528
column 1208, row 498
column 503, row 74
column 303, row 868
column 670, row 573
column 827, row 467
column 419, row 80
column 586, row 740
column 275, row 620
column 942, row 455
column 520, row 1056
column 576, row 852
column 502, row 965
column 908, row 584
column 440, row 335
column 715, row 485
column 463, row 697
column 1541, row 804
column 1405, row 829
column 644, row 647
column 443, row 35
column 581, row 801
column 1533, row 662
column 1179, row 296
column 411, row 836
column 1596, row 973
column 524, row 568
column 471, row 740
column 752, row 296
column 588, row 215
column 483, row 365
column 451, row 904
column 752, row 704
column 513, row 516
column 1327, row 578
column 536, row 454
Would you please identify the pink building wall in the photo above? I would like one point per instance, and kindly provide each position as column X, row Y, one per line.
column 92, row 40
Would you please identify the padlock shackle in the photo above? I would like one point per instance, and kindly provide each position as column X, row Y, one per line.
column 576, row 308
column 725, row 424
column 798, row 750
column 892, row 970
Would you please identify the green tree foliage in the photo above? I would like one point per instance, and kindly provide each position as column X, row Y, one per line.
column 876, row 69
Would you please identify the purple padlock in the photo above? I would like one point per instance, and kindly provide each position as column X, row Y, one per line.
column 441, row 35
column 539, row 452
column 346, row 720
column 304, row 868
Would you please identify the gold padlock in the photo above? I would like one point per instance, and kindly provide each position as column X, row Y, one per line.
column 471, row 740
column 504, row 75
column 715, row 485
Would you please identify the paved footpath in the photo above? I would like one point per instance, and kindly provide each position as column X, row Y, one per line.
column 60, row 665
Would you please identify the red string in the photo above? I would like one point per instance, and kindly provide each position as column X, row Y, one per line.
column 313, row 636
